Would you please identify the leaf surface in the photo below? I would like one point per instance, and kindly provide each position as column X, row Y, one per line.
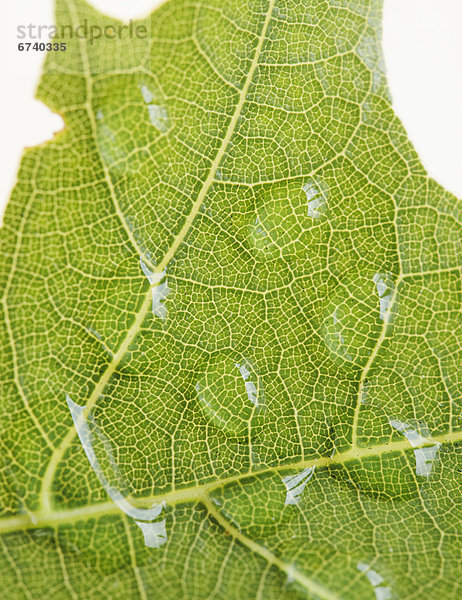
column 231, row 320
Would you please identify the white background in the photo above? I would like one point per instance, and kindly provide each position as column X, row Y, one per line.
column 423, row 53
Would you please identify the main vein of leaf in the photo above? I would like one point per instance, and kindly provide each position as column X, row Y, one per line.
column 53, row 518
column 45, row 496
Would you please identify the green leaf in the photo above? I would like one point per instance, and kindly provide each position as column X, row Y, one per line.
column 231, row 320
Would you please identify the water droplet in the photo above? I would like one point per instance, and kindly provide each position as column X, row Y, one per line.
column 148, row 96
column 157, row 113
column 111, row 144
column 158, row 117
column 125, row 150
column 392, row 475
column 386, row 477
column 288, row 218
column 295, row 485
column 365, row 392
column 425, row 458
column 387, row 295
column 160, row 291
column 99, row 452
column 230, row 393
column 291, row 572
column 104, row 465
column 381, row 592
column 155, row 534
column 94, row 332
column 354, row 315
column 317, row 200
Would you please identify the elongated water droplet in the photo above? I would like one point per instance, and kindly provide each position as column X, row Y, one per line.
column 147, row 94
column 382, row 592
column 387, row 295
column 159, row 288
column 230, row 393
column 295, row 485
column 110, row 478
column 288, row 218
column 155, row 534
column 316, row 200
column 392, row 475
column 110, row 144
column 386, row 477
column 425, row 458
column 354, row 316
column 158, row 115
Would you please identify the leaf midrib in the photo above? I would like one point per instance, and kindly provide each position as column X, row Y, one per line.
column 52, row 518
column 45, row 495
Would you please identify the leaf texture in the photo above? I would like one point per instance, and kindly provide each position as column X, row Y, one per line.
column 231, row 320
